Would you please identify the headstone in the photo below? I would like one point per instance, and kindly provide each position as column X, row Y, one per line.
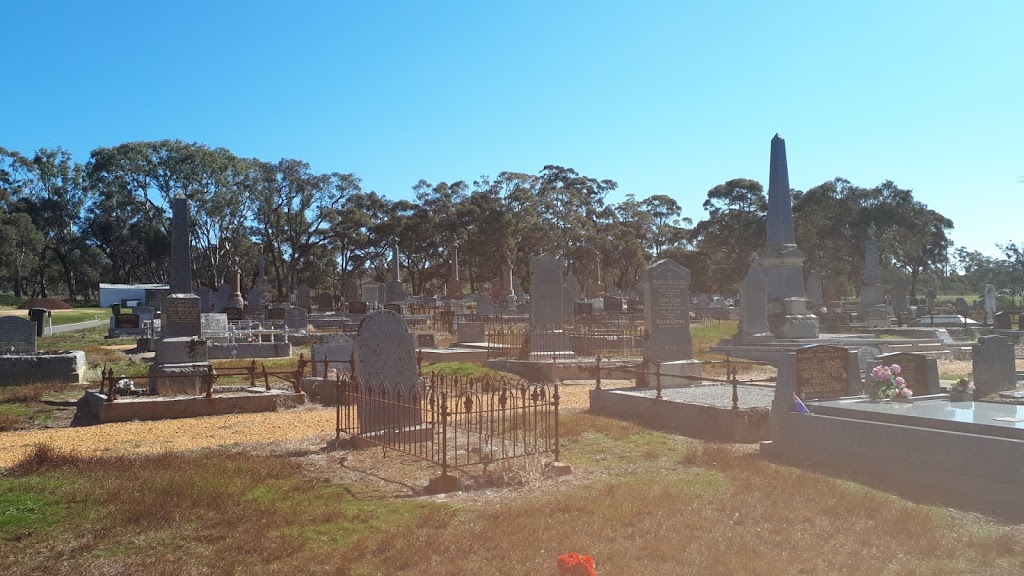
column 180, row 316
column 383, row 351
column 517, row 287
column 899, row 297
column 471, row 332
column 214, row 324
column 931, row 297
column 990, row 303
column 296, row 319
column 146, row 313
column 814, row 290
column 583, row 308
column 357, row 307
column 205, row 299
column 394, row 307
column 1003, row 321
column 17, row 335
column 568, row 311
column 234, row 313
column 920, row 372
column 223, row 296
column 754, row 323
column 453, row 287
column 789, row 313
column 546, row 297
column 826, row 372
column 371, row 292
column 254, row 303
column 127, row 322
column 325, row 302
column 667, row 312
column 485, row 305
column 612, row 304
column 993, row 365
column 338, row 352
column 275, row 313
column 351, row 291
column 426, row 340
column 962, row 307
column 303, row 297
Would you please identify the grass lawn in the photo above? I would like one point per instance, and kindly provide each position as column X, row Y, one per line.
column 61, row 317
column 640, row 502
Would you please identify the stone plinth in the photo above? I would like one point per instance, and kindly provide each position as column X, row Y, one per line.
column 186, row 350
column 178, row 379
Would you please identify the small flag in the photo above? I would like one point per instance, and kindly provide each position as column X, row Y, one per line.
column 799, row 406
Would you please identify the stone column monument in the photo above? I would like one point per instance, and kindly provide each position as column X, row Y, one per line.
column 395, row 294
column 453, row 287
column 871, row 292
column 789, row 313
column 508, row 300
column 182, row 357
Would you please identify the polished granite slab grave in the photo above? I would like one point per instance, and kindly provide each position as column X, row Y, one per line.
column 985, row 418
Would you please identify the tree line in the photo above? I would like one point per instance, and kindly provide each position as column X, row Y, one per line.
column 67, row 226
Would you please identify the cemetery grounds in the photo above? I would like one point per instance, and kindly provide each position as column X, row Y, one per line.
column 258, row 494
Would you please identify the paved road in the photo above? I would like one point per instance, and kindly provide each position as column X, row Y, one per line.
column 76, row 326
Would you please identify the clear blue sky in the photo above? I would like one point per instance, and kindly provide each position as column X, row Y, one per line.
column 662, row 97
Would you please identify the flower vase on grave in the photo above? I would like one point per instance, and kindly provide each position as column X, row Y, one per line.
column 960, row 396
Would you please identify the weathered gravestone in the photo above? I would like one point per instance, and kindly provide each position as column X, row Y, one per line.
column 325, row 302
column 303, row 298
column 471, row 332
column 993, row 365
column 223, row 296
column 546, row 296
column 275, row 313
column 146, row 313
column 383, row 352
column 17, row 335
column 667, row 312
column 296, row 319
column 899, row 298
column 426, row 340
column 920, row 372
column 990, row 303
column 583, row 308
column 813, row 290
column 826, row 372
column 754, row 324
column 394, row 307
column 214, row 325
column 337, row 353
column 1003, row 321
column 234, row 313
column 180, row 317
column 612, row 304
column 357, row 307
column 485, row 305
column 205, row 299
column 962, row 307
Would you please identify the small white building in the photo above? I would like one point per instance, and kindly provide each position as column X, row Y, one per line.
column 122, row 293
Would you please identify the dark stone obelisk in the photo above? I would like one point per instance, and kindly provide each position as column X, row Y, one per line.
column 781, row 264
column 182, row 358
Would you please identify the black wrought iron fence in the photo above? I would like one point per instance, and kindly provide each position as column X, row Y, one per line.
column 450, row 420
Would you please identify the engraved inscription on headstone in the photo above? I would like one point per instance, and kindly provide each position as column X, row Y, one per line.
column 17, row 335
column 426, row 340
column 180, row 316
column 823, row 372
column 666, row 314
column 127, row 322
column 920, row 372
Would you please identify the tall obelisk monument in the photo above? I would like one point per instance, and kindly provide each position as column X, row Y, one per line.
column 789, row 315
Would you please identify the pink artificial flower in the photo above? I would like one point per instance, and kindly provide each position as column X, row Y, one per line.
column 895, row 369
column 907, row 392
column 970, row 387
column 900, row 382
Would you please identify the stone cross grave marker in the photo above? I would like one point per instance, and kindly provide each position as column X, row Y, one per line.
column 17, row 335
column 826, row 372
column 383, row 351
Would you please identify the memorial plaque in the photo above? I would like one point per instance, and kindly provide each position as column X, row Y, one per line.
column 127, row 322
column 920, row 371
column 823, row 372
column 426, row 340
column 180, row 316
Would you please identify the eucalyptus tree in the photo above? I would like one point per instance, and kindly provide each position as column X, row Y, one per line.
column 733, row 230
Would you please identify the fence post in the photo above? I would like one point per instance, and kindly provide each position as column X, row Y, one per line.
column 598, row 372
column 266, row 378
column 657, row 378
column 337, row 407
column 252, row 373
column 730, row 372
column 556, row 397
column 300, row 370
column 444, row 433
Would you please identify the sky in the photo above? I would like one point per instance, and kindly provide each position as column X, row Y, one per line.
column 669, row 97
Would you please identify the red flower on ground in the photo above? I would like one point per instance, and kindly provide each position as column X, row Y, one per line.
column 574, row 564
